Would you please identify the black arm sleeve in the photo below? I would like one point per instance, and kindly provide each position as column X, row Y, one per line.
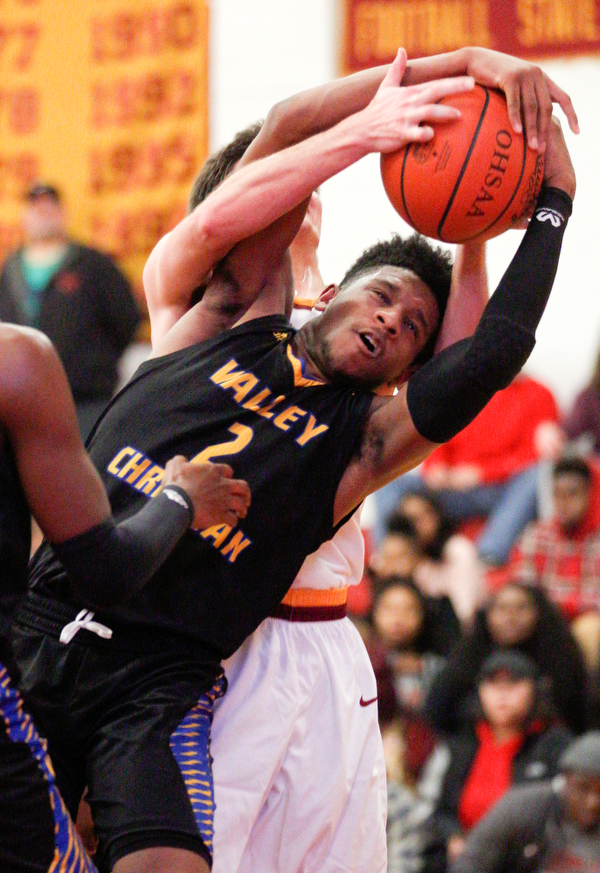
column 446, row 394
column 111, row 562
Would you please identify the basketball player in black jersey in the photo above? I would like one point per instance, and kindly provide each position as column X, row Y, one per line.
column 294, row 415
column 45, row 469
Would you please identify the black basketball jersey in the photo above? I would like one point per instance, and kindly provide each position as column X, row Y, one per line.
column 15, row 537
column 240, row 398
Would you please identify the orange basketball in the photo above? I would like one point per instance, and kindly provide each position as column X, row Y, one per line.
column 475, row 176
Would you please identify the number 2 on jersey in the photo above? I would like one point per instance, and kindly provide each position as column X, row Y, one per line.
column 243, row 436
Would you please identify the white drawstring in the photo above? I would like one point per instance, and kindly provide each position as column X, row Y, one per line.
column 84, row 620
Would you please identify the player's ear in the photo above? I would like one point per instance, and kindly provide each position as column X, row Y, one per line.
column 325, row 297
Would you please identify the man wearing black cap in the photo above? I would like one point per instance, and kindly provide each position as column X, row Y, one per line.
column 552, row 827
column 73, row 294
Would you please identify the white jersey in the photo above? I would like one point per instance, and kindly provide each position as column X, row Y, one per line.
column 299, row 772
column 339, row 562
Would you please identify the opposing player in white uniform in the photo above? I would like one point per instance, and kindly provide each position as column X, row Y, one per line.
column 298, row 767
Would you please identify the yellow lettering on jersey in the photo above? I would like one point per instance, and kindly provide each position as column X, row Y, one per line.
column 113, row 467
column 310, row 431
column 151, row 480
column 135, row 466
column 242, row 385
column 254, row 403
column 291, row 414
column 225, row 374
column 218, row 533
column 265, row 411
column 235, row 545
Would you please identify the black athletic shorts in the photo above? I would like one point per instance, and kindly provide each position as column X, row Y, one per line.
column 36, row 832
column 130, row 718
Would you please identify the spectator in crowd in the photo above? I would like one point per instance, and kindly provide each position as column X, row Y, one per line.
column 562, row 555
column 399, row 552
column 407, row 647
column 73, row 294
column 517, row 618
column 551, row 827
column 415, row 635
column 408, row 830
column 584, row 417
column 514, row 739
column 449, row 564
column 490, row 470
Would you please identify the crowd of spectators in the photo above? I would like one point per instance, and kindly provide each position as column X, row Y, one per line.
column 483, row 626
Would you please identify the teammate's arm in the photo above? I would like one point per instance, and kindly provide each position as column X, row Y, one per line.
column 446, row 394
column 106, row 561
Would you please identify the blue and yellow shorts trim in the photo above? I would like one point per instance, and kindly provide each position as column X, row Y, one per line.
column 190, row 745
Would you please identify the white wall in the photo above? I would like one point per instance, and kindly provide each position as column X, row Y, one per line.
column 264, row 50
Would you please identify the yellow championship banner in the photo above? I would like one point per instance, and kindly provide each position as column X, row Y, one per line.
column 107, row 100
column 526, row 28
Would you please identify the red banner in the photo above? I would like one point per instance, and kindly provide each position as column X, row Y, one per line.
column 526, row 28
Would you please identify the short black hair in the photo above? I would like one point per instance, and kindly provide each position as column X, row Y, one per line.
column 402, row 526
column 431, row 264
column 219, row 165
column 43, row 189
column 574, row 467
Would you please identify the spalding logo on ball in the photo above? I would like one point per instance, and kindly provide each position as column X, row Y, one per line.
column 476, row 176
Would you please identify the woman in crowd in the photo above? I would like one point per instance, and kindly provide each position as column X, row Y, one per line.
column 449, row 564
column 517, row 618
column 410, row 636
column 513, row 738
column 408, row 628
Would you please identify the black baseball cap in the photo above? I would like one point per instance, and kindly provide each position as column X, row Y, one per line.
column 516, row 664
column 41, row 189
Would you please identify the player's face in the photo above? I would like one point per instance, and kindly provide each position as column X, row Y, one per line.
column 373, row 329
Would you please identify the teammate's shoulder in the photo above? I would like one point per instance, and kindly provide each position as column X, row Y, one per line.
column 27, row 357
column 17, row 341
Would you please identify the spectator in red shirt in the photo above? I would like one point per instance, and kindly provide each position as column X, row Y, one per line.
column 562, row 555
column 515, row 739
column 491, row 468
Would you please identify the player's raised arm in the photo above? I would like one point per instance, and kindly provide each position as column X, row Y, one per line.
column 468, row 294
column 106, row 562
column 529, row 92
column 446, row 394
column 246, row 205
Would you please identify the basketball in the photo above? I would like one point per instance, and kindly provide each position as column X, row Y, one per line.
column 476, row 176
